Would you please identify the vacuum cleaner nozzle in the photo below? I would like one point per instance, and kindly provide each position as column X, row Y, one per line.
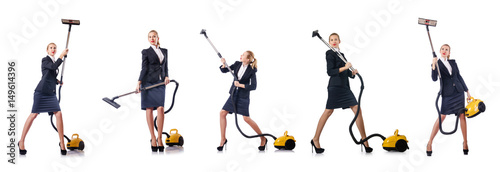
column 204, row 32
column 70, row 21
column 427, row 22
column 315, row 33
column 111, row 102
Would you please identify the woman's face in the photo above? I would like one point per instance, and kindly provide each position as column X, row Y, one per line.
column 52, row 49
column 334, row 41
column 445, row 51
column 244, row 58
column 153, row 38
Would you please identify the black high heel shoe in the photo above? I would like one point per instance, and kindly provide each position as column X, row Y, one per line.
column 153, row 148
column 466, row 151
column 219, row 148
column 367, row 149
column 21, row 151
column 63, row 152
column 161, row 148
column 262, row 148
column 429, row 153
column 318, row 150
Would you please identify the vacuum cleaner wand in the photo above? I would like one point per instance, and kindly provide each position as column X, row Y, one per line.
column 204, row 32
column 69, row 22
column 427, row 23
column 116, row 105
column 315, row 33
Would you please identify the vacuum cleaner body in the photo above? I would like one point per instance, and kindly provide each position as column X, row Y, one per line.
column 285, row 142
column 474, row 107
column 75, row 143
column 174, row 139
column 396, row 142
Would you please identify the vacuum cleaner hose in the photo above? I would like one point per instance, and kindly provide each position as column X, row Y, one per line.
column 236, row 119
column 356, row 117
column 171, row 106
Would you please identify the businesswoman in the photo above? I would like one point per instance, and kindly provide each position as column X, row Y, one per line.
column 453, row 89
column 339, row 93
column 44, row 98
column 245, row 69
column 154, row 70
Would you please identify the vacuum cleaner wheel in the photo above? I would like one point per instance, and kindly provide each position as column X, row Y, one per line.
column 401, row 145
column 289, row 144
column 181, row 141
column 81, row 145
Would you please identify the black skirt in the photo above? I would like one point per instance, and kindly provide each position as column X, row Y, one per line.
column 339, row 97
column 154, row 97
column 45, row 103
column 242, row 105
column 453, row 104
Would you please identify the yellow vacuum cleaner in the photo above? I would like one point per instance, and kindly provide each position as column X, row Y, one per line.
column 75, row 143
column 174, row 139
column 285, row 142
column 474, row 107
column 396, row 142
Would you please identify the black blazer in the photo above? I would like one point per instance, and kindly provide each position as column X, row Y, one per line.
column 451, row 82
column 47, row 84
column 249, row 79
column 333, row 63
column 152, row 70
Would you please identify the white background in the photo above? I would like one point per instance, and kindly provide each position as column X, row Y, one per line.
column 382, row 40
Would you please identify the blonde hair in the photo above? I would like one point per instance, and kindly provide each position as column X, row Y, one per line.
column 51, row 44
column 253, row 60
column 332, row 35
column 449, row 49
column 154, row 31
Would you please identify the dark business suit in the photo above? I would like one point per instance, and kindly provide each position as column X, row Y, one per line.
column 47, row 84
column 44, row 98
column 453, row 88
column 339, row 91
column 153, row 71
column 242, row 95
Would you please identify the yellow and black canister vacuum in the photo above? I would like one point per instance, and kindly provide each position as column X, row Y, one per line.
column 286, row 142
column 396, row 142
column 172, row 138
column 75, row 143
column 474, row 106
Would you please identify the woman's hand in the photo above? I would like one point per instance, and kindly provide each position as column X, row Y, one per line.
column 348, row 65
column 434, row 62
column 237, row 84
column 468, row 96
column 138, row 88
column 223, row 60
column 64, row 53
column 354, row 72
column 167, row 80
column 59, row 82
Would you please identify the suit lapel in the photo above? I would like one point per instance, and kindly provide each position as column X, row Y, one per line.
column 441, row 66
column 153, row 54
column 247, row 72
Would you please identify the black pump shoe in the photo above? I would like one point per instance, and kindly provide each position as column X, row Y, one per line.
column 63, row 152
column 466, row 151
column 318, row 150
column 21, row 151
column 262, row 148
column 153, row 148
column 367, row 149
column 429, row 153
column 220, row 148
